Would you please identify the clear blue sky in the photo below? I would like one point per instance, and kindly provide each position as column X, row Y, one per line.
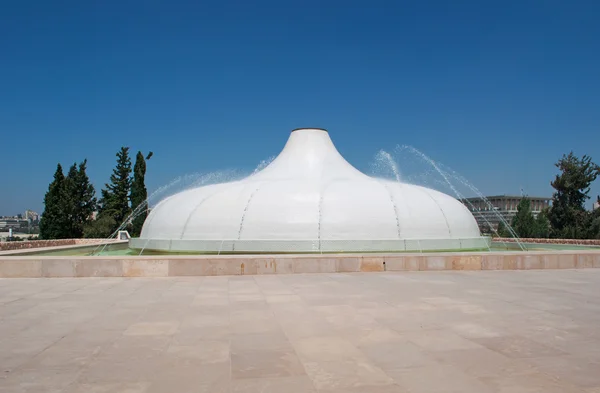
column 496, row 90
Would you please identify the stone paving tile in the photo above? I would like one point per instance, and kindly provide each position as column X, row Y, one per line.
column 265, row 364
column 501, row 332
column 163, row 328
column 518, row 347
column 436, row 377
column 325, row 348
column 260, row 341
column 295, row 384
column 190, row 378
column 576, row 370
column 190, row 335
column 127, row 387
column 484, row 362
column 396, row 354
column 346, row 374
column 440, row 340
column 531, row 383
column 209, row 351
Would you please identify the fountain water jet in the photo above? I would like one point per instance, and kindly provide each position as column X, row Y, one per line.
column 446, row 174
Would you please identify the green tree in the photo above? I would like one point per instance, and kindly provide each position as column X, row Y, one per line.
column 139, row 194
column 503, row 230
column 81, row 198
column 542, row 224
column 69, row 200
column 100, row 228
column 594, row 223
column 568, row 217
column 54, row 223
column 115, row 195
column 523, row 222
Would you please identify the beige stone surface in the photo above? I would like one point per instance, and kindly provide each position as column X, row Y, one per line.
column 550, row 261
column 436, row 331
column 265, row 363
column 395, row 264
column 314, row 265
column 186, row 267
column 294, row 384
column 528, row 262
column 567, row 261
column 347, row 265
column 492, row 262
column 145, row 268
column 510, row 262
column 283, row 265
column 585, row 261
column 94, row 267
column 266, row 266
column 58, row 268
column 20, row 268
column 467, row 262
column 371, row 264
column 433, row 262
column 242, row 265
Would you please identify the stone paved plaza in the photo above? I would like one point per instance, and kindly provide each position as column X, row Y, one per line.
column 497, row 331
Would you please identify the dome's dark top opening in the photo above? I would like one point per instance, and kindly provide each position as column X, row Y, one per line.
column 309, row 128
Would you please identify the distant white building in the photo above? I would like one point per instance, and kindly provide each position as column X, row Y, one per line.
column 31, row 216
column 11, row 223
column 492, row 209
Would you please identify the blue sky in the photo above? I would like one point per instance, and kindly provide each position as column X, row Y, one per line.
column 496, row 90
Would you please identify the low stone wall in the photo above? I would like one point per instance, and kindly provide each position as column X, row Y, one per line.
column 163, row 266
column 582, row 242
column 8, row 246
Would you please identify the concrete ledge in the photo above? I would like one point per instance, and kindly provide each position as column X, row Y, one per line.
column 211, row 265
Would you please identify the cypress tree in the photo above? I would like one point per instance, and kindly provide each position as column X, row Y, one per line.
column 115, row 195
column 81, row 199
column 86, row 198
column 54, row 223
column 69, row 201
column 139, row 194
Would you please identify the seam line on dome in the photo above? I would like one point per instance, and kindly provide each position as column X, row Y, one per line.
column 394, row 207
column 322, row 190
column 153, row 211
column 187, row 221
column 441, row 210
column 319, row 220
column 244, row 214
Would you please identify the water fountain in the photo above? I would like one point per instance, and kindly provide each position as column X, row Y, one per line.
column 446, row 178
column 309, row 199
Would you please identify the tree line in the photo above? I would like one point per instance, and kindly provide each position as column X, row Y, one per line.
column 567, row 217
column 71, row 209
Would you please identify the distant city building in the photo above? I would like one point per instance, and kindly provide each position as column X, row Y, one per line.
column 31, row 216
column 12, row 223
column 596, row 205
column 490, row 211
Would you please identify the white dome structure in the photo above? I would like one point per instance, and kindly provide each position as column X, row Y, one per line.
column 309, row 199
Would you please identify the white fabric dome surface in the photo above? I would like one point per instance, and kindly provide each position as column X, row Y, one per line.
column 309, row 199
